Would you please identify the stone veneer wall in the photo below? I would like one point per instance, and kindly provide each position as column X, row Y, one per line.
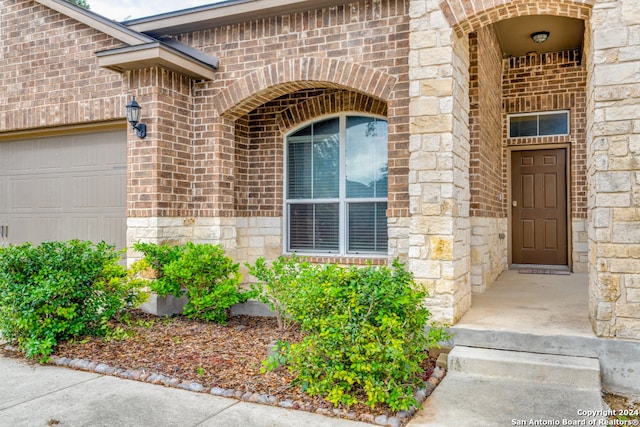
column 488, row 216
column 439, row 231
column 614, row 168
column 179, row 230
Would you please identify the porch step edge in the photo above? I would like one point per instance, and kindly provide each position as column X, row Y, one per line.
column 577, row 372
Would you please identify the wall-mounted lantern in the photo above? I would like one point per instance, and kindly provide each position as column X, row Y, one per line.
column 133, row 117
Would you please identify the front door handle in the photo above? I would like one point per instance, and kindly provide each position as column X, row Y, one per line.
column 514, row 203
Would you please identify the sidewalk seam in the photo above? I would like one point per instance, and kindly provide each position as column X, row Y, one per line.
column 217, row 413
column 50, row 393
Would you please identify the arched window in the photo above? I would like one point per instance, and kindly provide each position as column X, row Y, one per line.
column 336, row 186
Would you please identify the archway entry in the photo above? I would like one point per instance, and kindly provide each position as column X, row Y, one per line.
column 527, row 171
column 527, row 146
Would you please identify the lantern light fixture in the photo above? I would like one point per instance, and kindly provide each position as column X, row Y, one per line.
column 133, row 117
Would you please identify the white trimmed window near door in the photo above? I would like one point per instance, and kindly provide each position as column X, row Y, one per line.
column 544, row 123
column 336, row 186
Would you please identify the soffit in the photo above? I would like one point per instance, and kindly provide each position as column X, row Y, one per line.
column 222, row 13
column 514, row 34
column 151, row 55
column 99, row 22
column 140, row 50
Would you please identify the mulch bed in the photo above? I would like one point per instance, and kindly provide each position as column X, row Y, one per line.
column 223, row 360
column 625, row 410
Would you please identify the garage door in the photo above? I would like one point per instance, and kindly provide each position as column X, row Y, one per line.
column 64, row 187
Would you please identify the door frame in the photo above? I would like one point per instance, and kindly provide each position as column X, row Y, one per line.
column 539, row 147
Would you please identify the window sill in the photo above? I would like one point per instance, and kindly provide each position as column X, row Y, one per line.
column 345, row 259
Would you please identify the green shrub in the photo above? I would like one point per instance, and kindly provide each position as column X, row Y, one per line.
column 365, row 331
column 275, row 283
column 159, row 256
column 202, row 272
column 59, row 290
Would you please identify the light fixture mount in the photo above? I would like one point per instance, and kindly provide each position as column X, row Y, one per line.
column 133, row 117
column 540, row 36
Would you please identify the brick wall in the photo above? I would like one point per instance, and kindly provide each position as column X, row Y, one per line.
column 183, row 168
column 487, row 212
column 50, row 75
column 303, row 55
column 160, row 165
column 485, row 124
column 259, row 185
column 547, row 82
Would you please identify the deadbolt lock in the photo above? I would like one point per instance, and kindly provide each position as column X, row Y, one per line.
column 514, row 203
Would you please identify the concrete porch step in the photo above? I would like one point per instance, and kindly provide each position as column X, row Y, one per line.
column 496, row 388
column 619, row 359
column 576, row 372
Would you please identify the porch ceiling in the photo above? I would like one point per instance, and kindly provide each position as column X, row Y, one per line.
column 514, row 34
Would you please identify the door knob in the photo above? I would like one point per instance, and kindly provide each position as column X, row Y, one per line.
column 514, row 203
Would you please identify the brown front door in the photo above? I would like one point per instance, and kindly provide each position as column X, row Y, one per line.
column 539, row 207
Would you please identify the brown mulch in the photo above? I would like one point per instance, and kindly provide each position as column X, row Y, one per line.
column 213, row 355
column 208, row 353
column 625, row 409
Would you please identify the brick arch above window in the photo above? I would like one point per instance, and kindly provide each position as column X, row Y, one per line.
column 330, row 103
column 467, row 16
column 291, row 75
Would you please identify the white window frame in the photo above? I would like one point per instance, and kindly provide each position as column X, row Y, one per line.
column 538, row 114
column 342, row 200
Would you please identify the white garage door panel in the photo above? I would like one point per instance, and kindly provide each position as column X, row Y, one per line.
column 64, row 187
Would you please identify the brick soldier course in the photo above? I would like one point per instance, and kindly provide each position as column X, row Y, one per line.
column 212, row 167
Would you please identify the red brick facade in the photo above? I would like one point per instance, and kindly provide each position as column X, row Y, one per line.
column 485, row 125
column 50, row 76
column 208, row 143
column 273, row 74
column 547, row 82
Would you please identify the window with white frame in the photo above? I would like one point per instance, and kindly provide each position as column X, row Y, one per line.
column 336, row 186
column 546, row 123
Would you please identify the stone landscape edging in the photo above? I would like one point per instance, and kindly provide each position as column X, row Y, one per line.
column 155, row 378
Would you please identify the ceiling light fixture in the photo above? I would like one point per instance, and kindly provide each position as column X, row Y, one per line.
column 540, row 36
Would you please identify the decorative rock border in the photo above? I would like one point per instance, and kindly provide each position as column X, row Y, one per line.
column 398, row 420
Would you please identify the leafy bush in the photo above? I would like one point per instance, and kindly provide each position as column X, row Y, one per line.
column 275, row 283
column 159, row 256
column 59, row 290
column 202, row 272
column 366, row 330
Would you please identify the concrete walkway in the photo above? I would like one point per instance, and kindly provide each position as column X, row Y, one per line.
column 34, row 396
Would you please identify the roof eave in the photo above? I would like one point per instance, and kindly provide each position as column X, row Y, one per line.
column 222, row 13
column 154, row 54
column 99, row 22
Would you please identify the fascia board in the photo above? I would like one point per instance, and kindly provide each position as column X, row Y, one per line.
column 99, row 22
column 153, row 54
column 223, row 13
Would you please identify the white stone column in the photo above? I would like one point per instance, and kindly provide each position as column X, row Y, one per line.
column 439, row 232
column 613, row 168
